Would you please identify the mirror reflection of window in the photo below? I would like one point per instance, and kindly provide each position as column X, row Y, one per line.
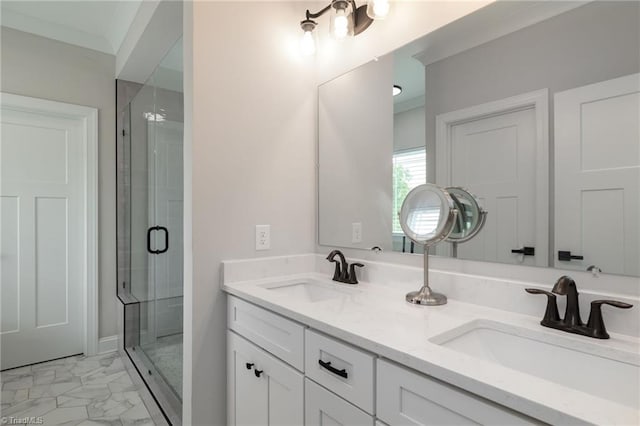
column 409, row 171
column 425, row 221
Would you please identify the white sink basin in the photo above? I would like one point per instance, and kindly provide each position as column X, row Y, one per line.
column 307, row 290
column 603, row 372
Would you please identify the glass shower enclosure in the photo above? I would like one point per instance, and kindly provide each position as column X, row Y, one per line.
column 150, row 227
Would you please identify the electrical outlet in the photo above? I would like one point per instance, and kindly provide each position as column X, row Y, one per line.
column 263, row 237
column 356, row 232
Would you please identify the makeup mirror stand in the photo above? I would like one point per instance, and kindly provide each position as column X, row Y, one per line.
column 426, row 296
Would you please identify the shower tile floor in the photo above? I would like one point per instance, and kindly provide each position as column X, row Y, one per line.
column 166, row 355
column 77, row 390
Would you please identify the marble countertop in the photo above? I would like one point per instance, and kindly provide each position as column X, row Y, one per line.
column 376, row 318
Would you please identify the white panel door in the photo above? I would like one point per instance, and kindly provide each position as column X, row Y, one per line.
column 42, row 235
column 597, row 175
column 492, row 158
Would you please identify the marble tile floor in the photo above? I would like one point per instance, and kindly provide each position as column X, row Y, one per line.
column 73, row 391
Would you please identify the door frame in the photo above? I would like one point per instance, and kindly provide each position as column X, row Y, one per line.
column 89, row 118
column 539, row 101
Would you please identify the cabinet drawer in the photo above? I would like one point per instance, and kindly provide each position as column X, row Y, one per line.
column 345, row 370
column 322, row 408
column 408, row 398
column 278, row 335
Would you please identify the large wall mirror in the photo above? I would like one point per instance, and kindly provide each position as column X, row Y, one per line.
column 533, row 107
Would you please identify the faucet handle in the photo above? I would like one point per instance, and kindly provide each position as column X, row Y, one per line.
column 615, row 303
column 539, row 291
column 595, row 325
column 352, row 278
column 551, row 314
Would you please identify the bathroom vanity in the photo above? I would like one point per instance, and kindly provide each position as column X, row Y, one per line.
column 533, row 110
column 303, row 349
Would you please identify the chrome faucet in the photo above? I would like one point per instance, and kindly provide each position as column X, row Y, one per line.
column 572, row 322
column 343, row 273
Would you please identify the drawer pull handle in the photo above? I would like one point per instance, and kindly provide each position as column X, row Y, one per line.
column 249, row 365
column 327, row 365
column 257, row 372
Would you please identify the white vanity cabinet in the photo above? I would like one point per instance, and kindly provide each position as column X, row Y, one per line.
column 262, row 390
column 280, row 372
column 408, row 398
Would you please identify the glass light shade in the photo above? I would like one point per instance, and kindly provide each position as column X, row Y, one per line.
column 341, row 22
column 308, row 43
column 378, row 9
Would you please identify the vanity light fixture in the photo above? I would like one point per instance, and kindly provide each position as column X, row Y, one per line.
column 308, row 41
column 378, row 9
column 346, row 19
column 396, row 90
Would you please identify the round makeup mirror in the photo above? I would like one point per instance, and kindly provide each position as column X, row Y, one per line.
column 427, row 216
column 470, row 220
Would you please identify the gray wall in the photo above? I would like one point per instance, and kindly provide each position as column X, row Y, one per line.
column 355, row 145
column 408, row 129
column 125, row 90
column 252, row 117
column 595, row 42
column 43, row 68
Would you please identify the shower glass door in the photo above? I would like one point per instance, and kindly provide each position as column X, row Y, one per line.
column 153, row 148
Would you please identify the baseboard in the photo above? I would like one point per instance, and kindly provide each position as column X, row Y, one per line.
column 107, row 344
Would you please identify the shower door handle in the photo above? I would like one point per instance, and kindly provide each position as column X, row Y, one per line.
column 149, row 231
column 166, row 239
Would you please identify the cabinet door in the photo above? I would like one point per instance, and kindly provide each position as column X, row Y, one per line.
column 251, row 394
column 323, row 408
column 262, row 390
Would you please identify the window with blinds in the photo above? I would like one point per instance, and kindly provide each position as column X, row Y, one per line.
column 409, row 171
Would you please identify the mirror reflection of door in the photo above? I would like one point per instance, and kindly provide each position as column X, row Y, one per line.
column 492, row 151
column 597, row 176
